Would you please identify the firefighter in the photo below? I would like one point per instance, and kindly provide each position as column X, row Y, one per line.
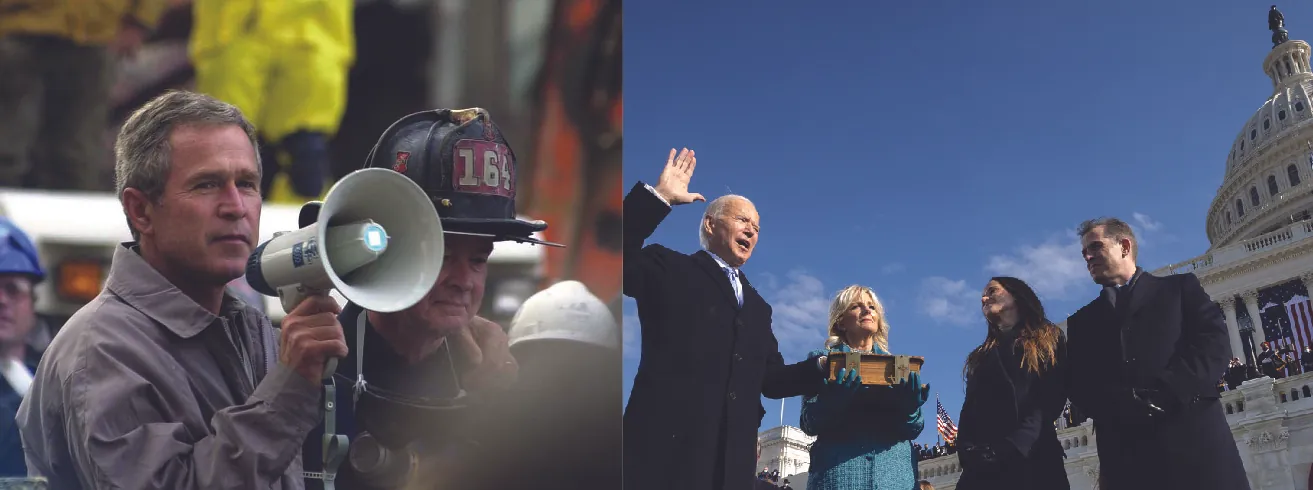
column 416, row 373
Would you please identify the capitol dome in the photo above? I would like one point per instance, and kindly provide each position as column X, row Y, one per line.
column 1269, row 172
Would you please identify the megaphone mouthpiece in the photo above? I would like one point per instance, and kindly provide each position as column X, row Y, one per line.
column 346, row 245
column 355, row 245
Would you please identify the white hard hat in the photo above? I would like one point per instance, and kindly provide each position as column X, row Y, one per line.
column 565, row 311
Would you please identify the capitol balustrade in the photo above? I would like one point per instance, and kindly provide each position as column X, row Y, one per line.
column 1251, row 409
column 1076, row 442
column 1238, row 252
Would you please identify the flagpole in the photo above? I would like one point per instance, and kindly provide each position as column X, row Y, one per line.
column 781, row 412
column 938, row 432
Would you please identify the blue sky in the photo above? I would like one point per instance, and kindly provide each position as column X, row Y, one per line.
column 922, row 147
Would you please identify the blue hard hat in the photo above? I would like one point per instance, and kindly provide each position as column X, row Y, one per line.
column 17, row 253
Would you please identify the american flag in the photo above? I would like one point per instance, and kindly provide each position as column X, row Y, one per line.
column 946, row 427
column 1299, row 310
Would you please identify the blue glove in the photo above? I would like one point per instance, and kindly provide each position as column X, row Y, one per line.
column 845, row 384
column 910, row 394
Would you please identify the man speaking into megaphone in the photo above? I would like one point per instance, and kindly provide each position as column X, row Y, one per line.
column 419, row 355
column 164, row 381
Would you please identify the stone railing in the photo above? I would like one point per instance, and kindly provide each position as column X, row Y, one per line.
column 1258, row 396
column 943, row 472
column 1239, row 251
column 940, row 471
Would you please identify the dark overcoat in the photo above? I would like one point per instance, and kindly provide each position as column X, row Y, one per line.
column 1170, row 336
column 695, row 407
column 1017, row 410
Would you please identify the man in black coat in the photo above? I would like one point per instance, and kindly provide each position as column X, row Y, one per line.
column 1144, row 362
column 708, row 352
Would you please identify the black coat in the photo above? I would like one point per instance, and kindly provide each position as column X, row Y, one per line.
column 1176, row 341
column 12, row 463
column 1000, row 410
column 695, row 406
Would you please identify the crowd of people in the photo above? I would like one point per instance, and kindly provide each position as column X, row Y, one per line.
column 768, row 479
column 166, row 380
column 932, row 451
column 169, row 379
column 1276, row 363
column 1140, row 360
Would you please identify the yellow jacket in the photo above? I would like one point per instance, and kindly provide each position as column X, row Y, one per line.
column 87, row 22
column 324, row 25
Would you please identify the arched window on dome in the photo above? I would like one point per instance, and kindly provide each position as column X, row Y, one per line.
column 1267, row 124
column 1272, row 188
column 1292, row 173
column 1253, row 196
column 1239, row 208
column 1281, row 115
column 1299, row 106
column 1228, row 218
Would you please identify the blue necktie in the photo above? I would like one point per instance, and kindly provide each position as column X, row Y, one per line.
column 734, row 283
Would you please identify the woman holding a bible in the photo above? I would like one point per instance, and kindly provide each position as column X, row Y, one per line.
column 1014, row 393
column 863, row 432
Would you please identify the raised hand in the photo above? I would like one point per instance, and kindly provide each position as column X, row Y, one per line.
column 672, row 185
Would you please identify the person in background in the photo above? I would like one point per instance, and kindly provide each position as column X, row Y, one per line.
column 285, row 65
column 763, row 479
column 863, row 432
column 924, row 485
column 20, row 272
column 559, row 336
column 164, row 381
column 1270, row 362
column 57, row 61
column 1235, row 373
column 1014, row 393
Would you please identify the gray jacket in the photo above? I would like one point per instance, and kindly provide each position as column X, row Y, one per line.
column 144, row 389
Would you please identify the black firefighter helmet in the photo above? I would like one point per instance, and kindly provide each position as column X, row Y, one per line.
column 462, row 160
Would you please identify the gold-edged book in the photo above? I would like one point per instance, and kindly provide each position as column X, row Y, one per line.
column 875, row 369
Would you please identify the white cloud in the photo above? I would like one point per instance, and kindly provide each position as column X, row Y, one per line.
column 632, row 337
column 1054, row 268
column 893, row 268
column 948, row 301
column 801, row 308
column 1145, row 223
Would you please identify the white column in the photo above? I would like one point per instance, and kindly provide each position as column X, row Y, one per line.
column 1251, row 305
column 1232, row 326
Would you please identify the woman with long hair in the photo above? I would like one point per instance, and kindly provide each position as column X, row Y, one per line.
column 1014, row 393
column 863, row 432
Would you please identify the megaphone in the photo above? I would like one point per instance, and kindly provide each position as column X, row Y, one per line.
column 376, row 238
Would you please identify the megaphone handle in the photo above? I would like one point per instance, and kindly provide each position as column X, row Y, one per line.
column 291, row 296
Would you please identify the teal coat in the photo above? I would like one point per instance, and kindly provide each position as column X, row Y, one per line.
column 862, row 445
